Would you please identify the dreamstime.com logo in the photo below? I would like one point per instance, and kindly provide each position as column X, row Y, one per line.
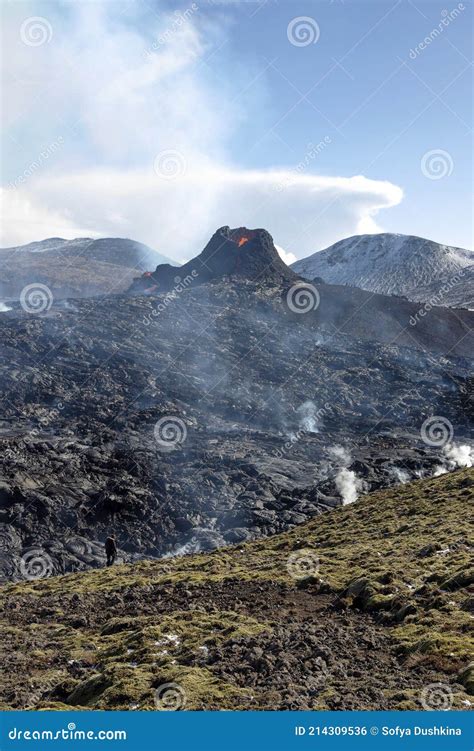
column 437, row 431
column 302, row 564
column 37, row 163
column 436, row 164
column 437, row 697
column 303, row 297
column 437, row 299
column 36, row 564
column 170, row 697
column 181, row 18
column 312, row 152
column 35, row 31
column 67, row 734
column 170, row 164
column 303, row 431
column 447, row 17
column 36, row 298
column 45, row 418
column 170, row 432
column 303, row 31
column 180, row 285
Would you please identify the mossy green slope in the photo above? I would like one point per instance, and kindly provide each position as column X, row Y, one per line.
column 109, row 638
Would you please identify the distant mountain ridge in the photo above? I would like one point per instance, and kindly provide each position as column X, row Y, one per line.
column 394, row 264
column 82, row 267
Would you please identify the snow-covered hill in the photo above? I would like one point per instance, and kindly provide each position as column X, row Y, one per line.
column 388, row 263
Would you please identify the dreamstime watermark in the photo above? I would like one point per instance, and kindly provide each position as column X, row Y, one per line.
column 170, row 697
column 312, row 152
column 302, row 31
column 303, row 297
column 35, row 31
column 302, row 564
column 181, row 18
column 70, row 733
column 437, row 431
column 169, row 297
column 36, row 564
column 294, row 438
column 170, row 431
column 437, row 298
column 41, row 159
column 437, row 697
column 436, row 164
column 187, row 548
column 36, row 298
column 447, row 17
column 170, row 164
column 45, row 417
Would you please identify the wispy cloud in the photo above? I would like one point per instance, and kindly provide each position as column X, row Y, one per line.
column 121, row 95
column 177, row 216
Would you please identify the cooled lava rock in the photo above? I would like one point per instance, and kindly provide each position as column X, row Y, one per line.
column 215, row 414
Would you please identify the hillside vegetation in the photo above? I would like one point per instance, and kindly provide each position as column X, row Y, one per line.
column 363, row 607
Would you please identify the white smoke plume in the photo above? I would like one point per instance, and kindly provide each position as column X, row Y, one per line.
column 347, row 482
column 456, row 456
column 342, row 455
column 348, row 485
column 308, row 417
column 400, row 475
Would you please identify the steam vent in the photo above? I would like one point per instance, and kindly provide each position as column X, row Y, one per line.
column 236, row 253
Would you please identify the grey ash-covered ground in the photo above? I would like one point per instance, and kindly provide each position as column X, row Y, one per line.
column 270, row 404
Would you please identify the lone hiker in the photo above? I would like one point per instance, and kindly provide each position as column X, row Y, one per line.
column 110, row 549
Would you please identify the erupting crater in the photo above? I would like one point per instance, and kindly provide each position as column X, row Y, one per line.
column 235, row 253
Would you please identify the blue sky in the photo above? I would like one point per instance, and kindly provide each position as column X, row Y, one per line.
column 161, row 121
column 370, row 99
